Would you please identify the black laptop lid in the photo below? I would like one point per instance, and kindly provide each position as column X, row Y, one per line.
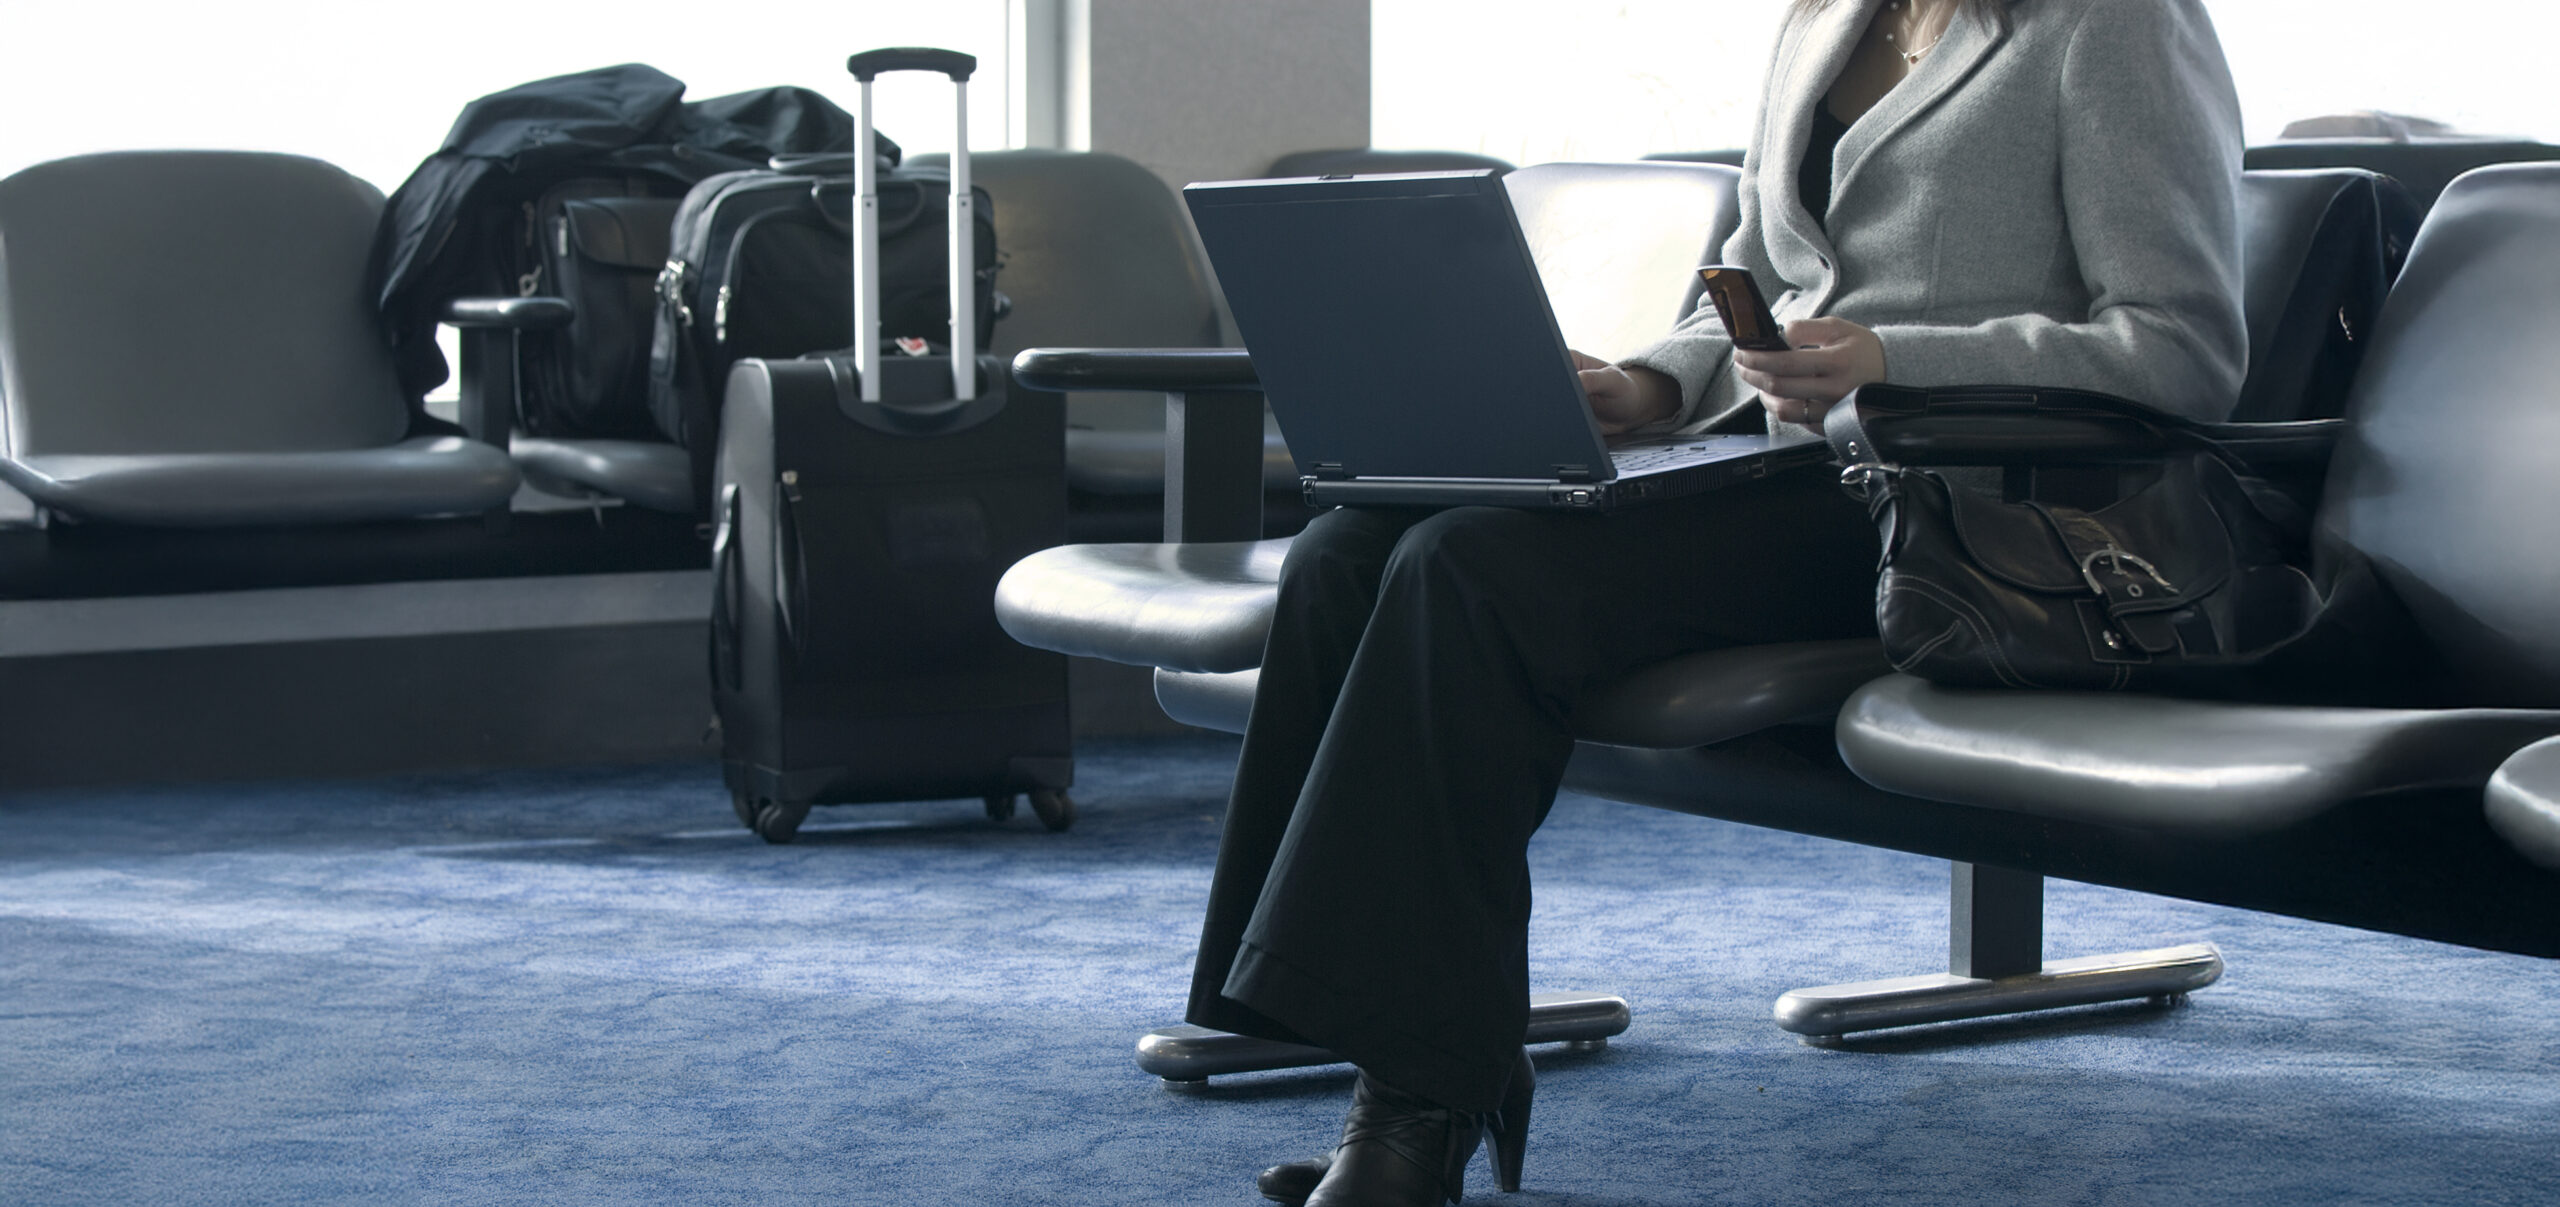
column 1398, row 326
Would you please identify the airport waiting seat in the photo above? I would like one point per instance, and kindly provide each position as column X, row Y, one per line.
column 1614, row 243
column 651, row 474
column 1738, row 732
column 1375, row 161
column 1098, row 252
column 2421, row 164
column 2368, row 816
column 185, row 343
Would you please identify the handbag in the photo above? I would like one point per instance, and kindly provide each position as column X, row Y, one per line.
column 2190, row 576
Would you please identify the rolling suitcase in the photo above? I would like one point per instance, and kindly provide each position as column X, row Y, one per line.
column 865, row 504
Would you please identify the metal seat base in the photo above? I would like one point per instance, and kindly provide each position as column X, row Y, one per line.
column 1829, row 1011
column 1188, row 1056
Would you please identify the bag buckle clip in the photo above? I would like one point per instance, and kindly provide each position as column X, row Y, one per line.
column 2117, row 559
column 671, row 281
column 1859, row 478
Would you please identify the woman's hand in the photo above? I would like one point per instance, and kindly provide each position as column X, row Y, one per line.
column 1832, row 356
column 1622, row 398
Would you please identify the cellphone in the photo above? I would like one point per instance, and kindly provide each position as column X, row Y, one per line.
column 1745, row 313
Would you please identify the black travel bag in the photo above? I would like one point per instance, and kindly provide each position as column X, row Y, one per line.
column 760, row 265
column 855, row 654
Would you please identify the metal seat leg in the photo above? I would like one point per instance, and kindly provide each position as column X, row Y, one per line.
column 1189, row 1056
column 1996, row 966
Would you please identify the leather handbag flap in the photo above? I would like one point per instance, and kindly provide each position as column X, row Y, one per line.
column 2163, row 540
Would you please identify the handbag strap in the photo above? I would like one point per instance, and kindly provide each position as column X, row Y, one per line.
column 1847, row 425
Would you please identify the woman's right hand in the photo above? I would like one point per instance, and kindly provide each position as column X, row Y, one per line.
column 1624, row 398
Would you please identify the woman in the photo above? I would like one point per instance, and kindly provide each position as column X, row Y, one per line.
column 1938, row 192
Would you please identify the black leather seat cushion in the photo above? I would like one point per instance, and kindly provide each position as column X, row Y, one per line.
column 2523, row 800
column 647, row 474
column 2164, row 764
column 1197, row 606
column 425, row 476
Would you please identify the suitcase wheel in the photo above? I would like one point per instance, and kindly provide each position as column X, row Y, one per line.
column 999, row 806
column 745, row 807
column 1054, row 808
column 778, row 821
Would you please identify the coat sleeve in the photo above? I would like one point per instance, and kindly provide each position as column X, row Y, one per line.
column 2150, row 185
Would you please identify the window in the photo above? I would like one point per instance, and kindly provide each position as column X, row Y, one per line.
column 1540, row 80
column 373, row 88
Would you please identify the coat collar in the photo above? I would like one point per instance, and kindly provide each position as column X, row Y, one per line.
column 1968, row 41
column 1817, row 54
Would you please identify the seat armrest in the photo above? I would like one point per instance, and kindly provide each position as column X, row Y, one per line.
column 2025, row 426
column 1166, row 370
column 1212, row 426
column 489, row 356
column 514, row 314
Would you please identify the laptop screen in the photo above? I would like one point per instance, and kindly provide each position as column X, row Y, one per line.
column 1398, row 326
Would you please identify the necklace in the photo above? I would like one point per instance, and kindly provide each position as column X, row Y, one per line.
column 1912, row 57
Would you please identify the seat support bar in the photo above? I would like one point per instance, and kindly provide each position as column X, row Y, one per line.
column 1189, row 1056
column 1996, row 965
column 1213, row 466
column 2166, row 973
column 1995, row 921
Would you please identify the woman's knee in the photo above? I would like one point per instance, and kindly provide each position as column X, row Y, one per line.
column 1341, row 554
column 1479, row 545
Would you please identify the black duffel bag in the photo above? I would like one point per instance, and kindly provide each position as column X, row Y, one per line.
column 2197, row 571
column 761, row 265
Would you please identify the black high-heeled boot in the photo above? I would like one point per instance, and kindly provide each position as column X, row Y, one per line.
column 1506, row 1131
column 1398, row 1150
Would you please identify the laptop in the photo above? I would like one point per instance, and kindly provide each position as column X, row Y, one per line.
column 1408, row 351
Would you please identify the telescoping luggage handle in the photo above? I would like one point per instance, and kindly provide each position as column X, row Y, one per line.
column 867, row 66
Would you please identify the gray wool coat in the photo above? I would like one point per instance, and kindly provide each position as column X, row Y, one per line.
column 2053, row 204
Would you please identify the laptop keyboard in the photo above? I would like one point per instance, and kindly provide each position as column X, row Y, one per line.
column 1655, row 457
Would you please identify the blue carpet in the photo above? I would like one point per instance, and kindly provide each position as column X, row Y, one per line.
column 591, row 987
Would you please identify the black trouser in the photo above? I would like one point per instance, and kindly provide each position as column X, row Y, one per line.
column 1412, row 724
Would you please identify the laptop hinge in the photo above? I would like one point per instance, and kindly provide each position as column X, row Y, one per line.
column 1573, row 473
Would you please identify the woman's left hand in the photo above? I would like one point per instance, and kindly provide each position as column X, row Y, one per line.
column 1832, row 356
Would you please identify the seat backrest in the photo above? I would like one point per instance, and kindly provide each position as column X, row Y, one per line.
column 190, row 301
column 1729, row 156
column 2320, row 248
column 1618, row 244
column 1370, row 161
column 2422, row 165
column 2444, row 478
column 1097, row 253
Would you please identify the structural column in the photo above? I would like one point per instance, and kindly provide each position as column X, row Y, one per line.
column 1193, row 90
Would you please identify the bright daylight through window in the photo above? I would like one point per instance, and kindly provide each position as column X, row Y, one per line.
column 1538, row 80
column 373, row 87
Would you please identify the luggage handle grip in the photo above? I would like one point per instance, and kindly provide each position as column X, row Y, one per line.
column 871, row 64
column 866, row 66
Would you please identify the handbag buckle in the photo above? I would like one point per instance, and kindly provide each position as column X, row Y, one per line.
column 2117, row 559
column 1860, row 477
